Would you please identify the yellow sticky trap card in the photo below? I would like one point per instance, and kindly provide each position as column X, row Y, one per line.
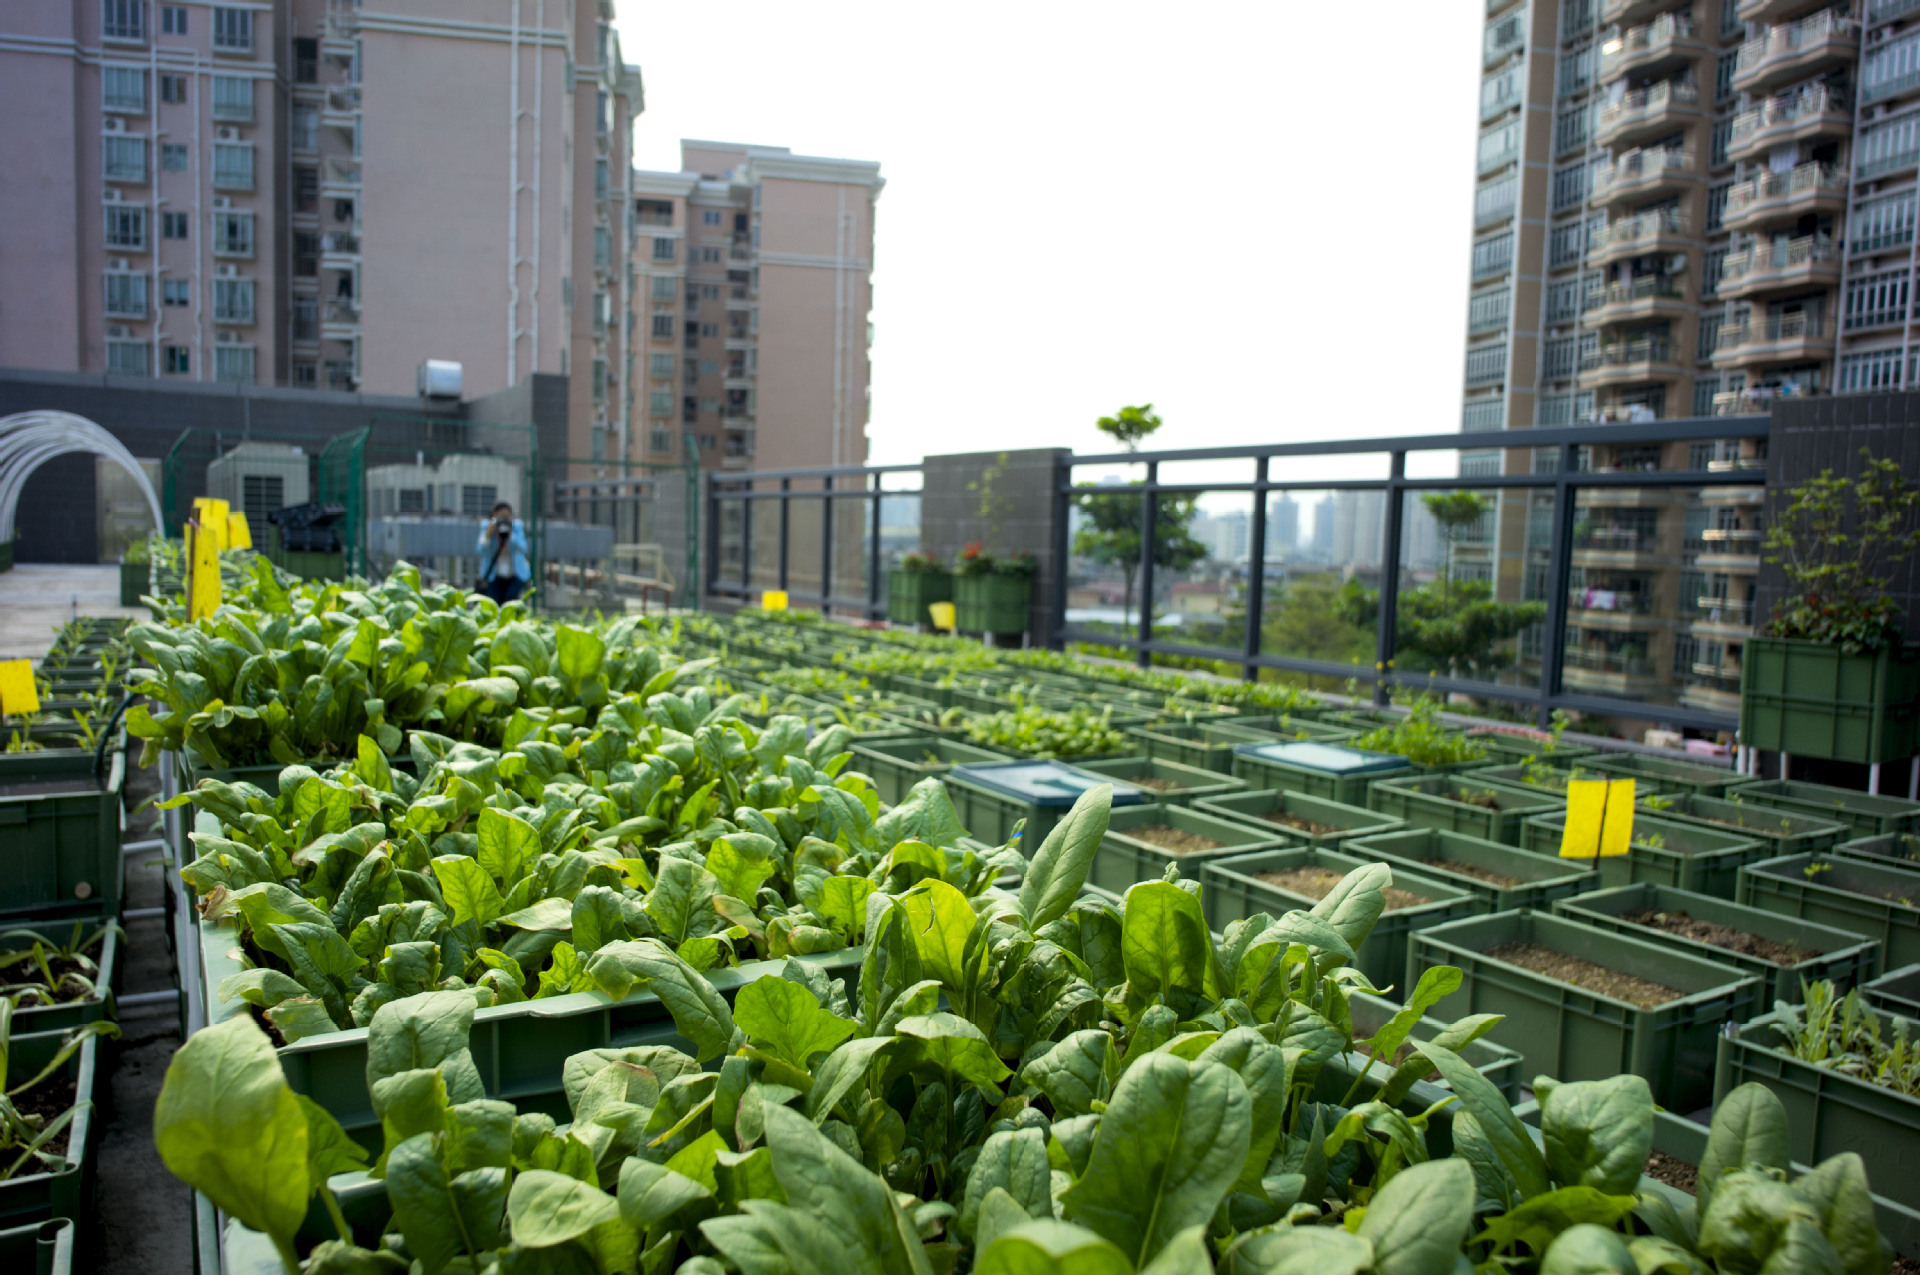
column 18, row 694
column 203, row 572
column 942, row 613
column 239, row 533
column 1599, row 819
column 773, row 600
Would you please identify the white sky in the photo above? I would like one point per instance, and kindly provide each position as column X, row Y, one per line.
column 1255, row 216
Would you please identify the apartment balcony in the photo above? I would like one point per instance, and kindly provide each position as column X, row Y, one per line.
column 1613, row 611
column 1727, row 549
column 1712, row 697
column 1801, row 116
column 1630, row 12
column 1630, row 363
column 1796, row 51
column 1777, row 338
column 1640, row 175
column 339, row 34
column 341, row 110
column 1775, row 197
column 340, row 250
column 1608, row 673
column 1722, row 615
column 340, row 321
column 1783, row 265
column 1649, row 112
column 1646, row 297
column 1773, row 11
column 1879, row 11
column 1670, row 41
column 1648, row 233
column 339, row 178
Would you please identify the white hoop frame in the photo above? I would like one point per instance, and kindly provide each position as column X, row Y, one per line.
column 29, row 440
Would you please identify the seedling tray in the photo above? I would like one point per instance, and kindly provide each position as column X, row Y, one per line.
column 60, row 823
column 66, row 1192
column 1184, row 784
column 992, row 797
column 1231, row 890
column 896, row 765
column 1541, row 880
column 1844, row 957
column 1333, row 772
column 1667, row 776
column 1869, row 813
column 1572, row 1033
column 1895, row 992
column 1122, row 859
column 1828, row 1111
column 1784, row 832
column 1251, row 808
column 1687, row 855
column 1428, row 801
column 1833, row 896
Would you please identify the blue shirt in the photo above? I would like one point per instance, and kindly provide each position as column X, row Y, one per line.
column 488, row 548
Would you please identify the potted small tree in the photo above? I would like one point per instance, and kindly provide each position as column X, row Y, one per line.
column 992, row 595
column 1832, row 676
column 913, row 586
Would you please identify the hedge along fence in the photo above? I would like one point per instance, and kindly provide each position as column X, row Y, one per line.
column 1459, row 803
column 1127, row 855
column 1881, row 903
column 1454, row 857
column 1843, row 957
column 1572, row 1033
column 1783, row 831
column 1232, row 889
column 1870, row 814
column 1670, row 852
column 1167, row 781
column 1342, row 822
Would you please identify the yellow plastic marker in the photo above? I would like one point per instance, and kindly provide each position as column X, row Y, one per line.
column 773, row 600
column 17, row 692
column 203, row 572
column 1599, row 819
column 239, row 534
column 942, row 613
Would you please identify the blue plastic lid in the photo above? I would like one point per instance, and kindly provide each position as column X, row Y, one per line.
column 1331, row 758
column 1042, row 783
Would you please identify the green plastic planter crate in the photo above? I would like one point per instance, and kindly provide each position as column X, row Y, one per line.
column 910, row 593
column 1846, row 958
column 1813, row 700
column 1510, row 748
column 1421, row 800
column 1554, row 778
column 1316, row 780
column 1870, row 814
column 896, row 765
column 1496, row 1062
column 1571, row 1033
column 1542, row 880
column 65, row 1192
column 60, row 826
column 45, row 1018
column 1231, row 890
column 1783, row 831
column 1895, row 992
column 1693, row 856
column 1900, row 849
column 1829, row 1112
column 1188, row 783
column 1663, row 776
column 43, row 1248
column 134, row 580
column 1124, row 860
column 992, row 603
column 1252, row 809
column 989, row 807
column 1831, row 897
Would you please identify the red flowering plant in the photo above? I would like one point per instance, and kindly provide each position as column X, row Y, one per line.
column 974, row 560
column 1840, row 541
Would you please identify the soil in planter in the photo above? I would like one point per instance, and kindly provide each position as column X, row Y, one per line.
column 1172, row 839
column 1309, row 826
column 1677, row 1174
column 1154, row 785
column 1887, row 894
column 48, row 1099
column 1488, row 875
column 1484, row 798
column 1318, row 883
column 1584, row 974
column 63, row 991
column 1770, row 950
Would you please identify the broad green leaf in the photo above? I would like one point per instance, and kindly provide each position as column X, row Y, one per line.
column 1059, row 867
column 822, row 1180
column 1052, row 1248
column 468, row 889
column 1185, row 1254
column 699, row 1011
column 1268, row 1074
column 1598, row 1133
column 507, row 842
column 1418, row 1221
column 1354, row 905
column 1502, row 1129
column 651, row 1193
column 425, row 1208
column 840, row 1071
column 1749, row 1128
column 940, row 920
column 785, row 1018
column 1838, row 1193
column 1165, row 943
column 1014, row 1161
column 1589, row 1249
column 1076, row 1072
column 1298, row 1250
column 329, row 1149
column 426, row 1031
column 1537, row 1220
column 741, row 861
column 1170, row 1145
column 546, row 1208
column 951, row 1046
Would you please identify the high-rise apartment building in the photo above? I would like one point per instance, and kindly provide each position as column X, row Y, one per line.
column 321, row 193
column 753, row 302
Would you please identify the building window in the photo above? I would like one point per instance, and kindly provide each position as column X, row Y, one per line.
column 1875, row 300
column 660, row 402
column 126, row 226
column 1492, row 255
column 306, row 253
column 233, row 363
column 306, row 318
column 126, row 294
column 1722, row 134
column 599, row 380
column 306, row 63
column 1493, row 201
column 602, row 311
column 1713, row 266
column 233, row 33
column 1892, row 67
column 709, row 329
column 173, row 225
column 689, row 410
column 176, row 360
column 1486, row 363
column 233, row 98
column 1723, row 78
column 232, row 166
column 665, row 286
column 663, row 326
column 123, row 19
column 1571, row 128
column 304, row 126
column 173, row 157
column 601, row 184
column 306, row 188
column 660, row 442
column 1566, row 244
column 173, row 19
column 660, row 364
column 1717, row 204
column 123, row 88
column 654, row 212
column 127, row 358
column 1569, row 186
column 1878, row 224
column 1704, row 388
column 233, row 301
column 305, row 374
column 1483, row 414
column 124, row 159
column 173, row 89
column 1488, row 310
column 176, row 292
column 1709, row 336
column 1874, row 370
column 1576, row 70
column 662, row 248
column 1560, row 358
column 602, row 248
column 709, row 217
column 709, row 255
column 233, row 234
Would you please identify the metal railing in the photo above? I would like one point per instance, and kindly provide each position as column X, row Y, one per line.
column 1635, row 167
column 1781, row 254
column 1803, row 179
column 1648, row 349
column 1789, row 38
column 1775, row 329
column 1632, row 42
column 1643, row 288
column 1624, row 231
column 1789, row 108
column 1648, row 101
column 755, row 542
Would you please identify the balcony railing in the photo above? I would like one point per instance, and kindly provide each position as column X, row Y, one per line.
column 1609, row 602
column 1648, row 349
column 1775, row 329
column 341, row 172
column 1789, row 38
column 1712, row 610
column 1778, row 255
column 340, row 241
column 1632, row 42
column 1609, row 662
column 1643, row 288
column 342, row 311
column 1636, row 166
column 1632, row 230
column 1803, row 179
column 345, row 99
column 1788, row 108
column 1887, row 10
column 1649, row 101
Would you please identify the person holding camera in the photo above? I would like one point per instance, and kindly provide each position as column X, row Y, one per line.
column 503, row 555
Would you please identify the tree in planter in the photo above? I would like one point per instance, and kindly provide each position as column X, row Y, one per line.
column 1839, row 560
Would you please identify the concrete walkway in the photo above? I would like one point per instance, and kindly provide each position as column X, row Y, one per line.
column 36, row 597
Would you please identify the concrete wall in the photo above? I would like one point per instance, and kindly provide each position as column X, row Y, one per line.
column 1005, row 501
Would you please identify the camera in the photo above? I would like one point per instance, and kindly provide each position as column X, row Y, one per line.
column 502, row 527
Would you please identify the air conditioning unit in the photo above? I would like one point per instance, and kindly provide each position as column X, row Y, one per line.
column 116, row 330
column 113, row 125
column 221, row 201
column 227, row 134
column 116, row 263
column 224, row 338
column 229, row 272
column 110, row 196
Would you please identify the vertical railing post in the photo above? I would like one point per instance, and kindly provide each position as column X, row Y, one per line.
column 746, row 541
column 1149, row 516
column 826, row 544
column 873, row 555
column 1559, row 571
column 1062, row 546
column 1256, row 570
column 709, row 502
column 786, row 486
column 1389, row 578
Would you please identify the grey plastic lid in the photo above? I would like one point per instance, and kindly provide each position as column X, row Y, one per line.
column 1331, row 758
column 1042, row 783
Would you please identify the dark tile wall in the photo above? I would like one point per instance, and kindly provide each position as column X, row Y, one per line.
column 1005, row 501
